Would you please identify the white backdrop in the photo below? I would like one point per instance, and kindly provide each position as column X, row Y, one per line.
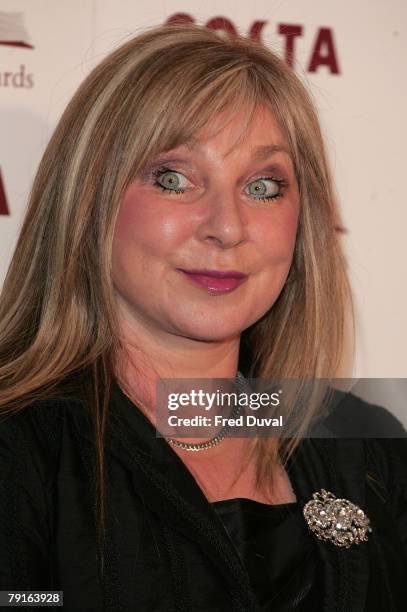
column 48, row 47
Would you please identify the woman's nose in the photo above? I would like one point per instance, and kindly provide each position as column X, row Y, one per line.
column 225, row 220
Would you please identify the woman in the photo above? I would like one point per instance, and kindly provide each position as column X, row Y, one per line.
column 182, row 225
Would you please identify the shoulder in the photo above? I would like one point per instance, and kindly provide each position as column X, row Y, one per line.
column 381, row 437
column 39, row 419
column 30, row 439
column 352, row 417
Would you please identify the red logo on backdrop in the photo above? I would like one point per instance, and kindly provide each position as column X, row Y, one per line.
column 323, row 52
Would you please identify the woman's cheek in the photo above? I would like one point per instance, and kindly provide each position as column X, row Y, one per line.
column 276, row 241
column 149, row 223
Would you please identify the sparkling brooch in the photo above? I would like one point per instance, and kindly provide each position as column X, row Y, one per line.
column 336, row 520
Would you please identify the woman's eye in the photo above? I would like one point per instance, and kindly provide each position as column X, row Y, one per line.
column 265, row 188
column 170, row 180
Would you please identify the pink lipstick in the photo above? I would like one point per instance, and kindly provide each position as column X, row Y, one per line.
column 216, row 281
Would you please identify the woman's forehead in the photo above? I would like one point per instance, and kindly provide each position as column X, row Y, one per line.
column 257, row 130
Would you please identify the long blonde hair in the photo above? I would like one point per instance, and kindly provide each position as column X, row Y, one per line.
column 58, row 321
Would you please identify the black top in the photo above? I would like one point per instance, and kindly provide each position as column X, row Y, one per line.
column 278, row 551
column 166, row 547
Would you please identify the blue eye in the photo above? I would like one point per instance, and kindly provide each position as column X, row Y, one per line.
column 170, row 180
column 265, row 188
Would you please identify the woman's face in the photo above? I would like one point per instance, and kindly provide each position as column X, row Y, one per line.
column 209, row 206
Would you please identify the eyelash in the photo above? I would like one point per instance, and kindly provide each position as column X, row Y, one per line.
column 162, row 170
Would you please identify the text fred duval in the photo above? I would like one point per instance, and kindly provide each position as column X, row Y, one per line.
column 248, row 420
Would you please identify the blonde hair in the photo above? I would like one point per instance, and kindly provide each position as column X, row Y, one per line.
column 57, row 311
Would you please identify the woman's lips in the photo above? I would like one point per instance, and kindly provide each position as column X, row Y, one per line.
column 216, row 281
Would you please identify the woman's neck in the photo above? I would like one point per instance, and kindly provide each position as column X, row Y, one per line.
column 150, row 355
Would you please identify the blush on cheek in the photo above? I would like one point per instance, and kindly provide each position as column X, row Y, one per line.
column 140, row 228
column 134, row 214
column 147, row 223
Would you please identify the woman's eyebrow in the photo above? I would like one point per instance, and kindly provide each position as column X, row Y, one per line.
column 264, row 151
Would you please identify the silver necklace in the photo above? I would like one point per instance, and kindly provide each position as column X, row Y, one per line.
column 221, row 435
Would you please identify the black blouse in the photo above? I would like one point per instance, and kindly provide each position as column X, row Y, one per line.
column 277, row 550
column 167, row 548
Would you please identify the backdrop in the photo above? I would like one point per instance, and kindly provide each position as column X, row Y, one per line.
column 352, row 57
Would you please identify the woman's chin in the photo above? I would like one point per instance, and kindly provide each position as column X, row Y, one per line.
column 212, row 331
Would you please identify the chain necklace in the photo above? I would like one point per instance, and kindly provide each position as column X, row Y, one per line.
column 221, row 435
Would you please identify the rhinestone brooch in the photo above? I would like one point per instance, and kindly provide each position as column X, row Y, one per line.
column 336, row 520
